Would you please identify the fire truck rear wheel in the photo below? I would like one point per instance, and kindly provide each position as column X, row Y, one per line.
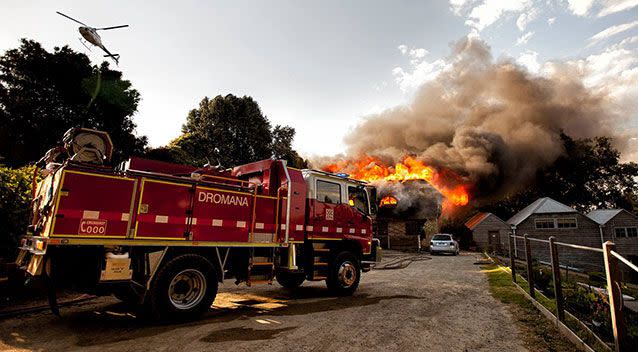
column 345, row 273
column 290, row 280
column 184, row 288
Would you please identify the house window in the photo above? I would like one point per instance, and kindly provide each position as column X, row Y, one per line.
column 626, row 232
column 328, row 192
column 566, row 223
column 545, row 224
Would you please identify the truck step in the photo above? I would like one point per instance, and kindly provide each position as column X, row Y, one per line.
column 261, row 259
column 262, row 264
column 321, row 249
column 260, row 276
column 318, row 278
column 258, row 282
column 319, row 245
column 319, row 264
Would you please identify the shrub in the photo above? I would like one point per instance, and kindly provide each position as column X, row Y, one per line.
column 15, row 209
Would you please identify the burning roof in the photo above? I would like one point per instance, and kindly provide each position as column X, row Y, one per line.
column 373, row 170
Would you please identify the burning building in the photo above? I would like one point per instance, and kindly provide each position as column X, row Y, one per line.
column 412, row 195
column 406, row 210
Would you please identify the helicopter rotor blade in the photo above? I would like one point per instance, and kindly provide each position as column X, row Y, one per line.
column 114, row 27
column 71, row 18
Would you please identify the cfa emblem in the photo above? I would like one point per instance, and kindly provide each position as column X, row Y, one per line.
column 330, row 214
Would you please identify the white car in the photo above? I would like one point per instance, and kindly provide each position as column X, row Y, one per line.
column 443, row 243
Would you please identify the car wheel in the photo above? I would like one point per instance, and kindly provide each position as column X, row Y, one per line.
column 345, row 274
column 184, row 288
column 290, row 280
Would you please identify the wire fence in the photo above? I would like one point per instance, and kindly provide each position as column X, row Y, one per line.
column 578, row 302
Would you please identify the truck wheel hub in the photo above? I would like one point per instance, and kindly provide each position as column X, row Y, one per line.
column 347, row 274
column 187, row 289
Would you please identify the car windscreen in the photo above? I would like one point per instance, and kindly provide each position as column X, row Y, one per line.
column 441, row 238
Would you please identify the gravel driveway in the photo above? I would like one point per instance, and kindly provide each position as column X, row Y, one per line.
column 437, row 304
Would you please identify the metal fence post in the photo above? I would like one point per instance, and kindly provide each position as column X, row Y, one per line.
column 530, row 270
column 615, row 297
column 558, row 289
column 512, row 260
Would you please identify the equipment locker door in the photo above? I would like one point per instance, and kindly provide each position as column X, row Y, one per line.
column 163, row 210
column 93, row 205
column 221, row 215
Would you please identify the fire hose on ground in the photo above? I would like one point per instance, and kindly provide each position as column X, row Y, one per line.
column 402, row 262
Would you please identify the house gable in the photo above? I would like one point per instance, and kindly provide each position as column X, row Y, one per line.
column 540, row 206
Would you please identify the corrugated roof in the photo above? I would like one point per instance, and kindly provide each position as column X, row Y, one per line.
column 475, row 220
column 602, row 216
column 540, row 206
column 479, row 218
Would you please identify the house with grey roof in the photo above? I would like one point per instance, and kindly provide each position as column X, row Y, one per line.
column 621, row 227
column 489, row 232
column 547, row 217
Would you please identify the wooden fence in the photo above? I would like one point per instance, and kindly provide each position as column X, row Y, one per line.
column 612, row 273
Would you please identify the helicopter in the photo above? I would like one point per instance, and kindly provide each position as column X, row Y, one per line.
column 90, row 35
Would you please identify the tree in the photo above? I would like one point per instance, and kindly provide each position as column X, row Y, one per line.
column 588, row 175
column 281, row 145
column 42, row 94
column 229, row 130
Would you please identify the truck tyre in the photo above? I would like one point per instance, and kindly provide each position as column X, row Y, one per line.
column 345, row 273
column 183, row 289
column 290, row 280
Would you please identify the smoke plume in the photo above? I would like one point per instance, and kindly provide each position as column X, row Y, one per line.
column 490, row 121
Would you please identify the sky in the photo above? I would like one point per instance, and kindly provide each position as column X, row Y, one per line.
column 322, row 67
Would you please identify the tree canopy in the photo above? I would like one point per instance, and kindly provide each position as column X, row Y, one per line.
column 229, row 130
column 589, row 175
column 42, row 94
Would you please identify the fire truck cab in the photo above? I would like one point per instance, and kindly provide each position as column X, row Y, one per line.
column 163, row 235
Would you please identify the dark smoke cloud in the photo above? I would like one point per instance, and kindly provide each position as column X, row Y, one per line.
column 488, row 120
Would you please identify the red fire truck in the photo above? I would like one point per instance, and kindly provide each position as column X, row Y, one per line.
column 163, row 235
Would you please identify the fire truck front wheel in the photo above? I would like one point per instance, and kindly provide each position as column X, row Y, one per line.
column 345, row 273
column 184, row 288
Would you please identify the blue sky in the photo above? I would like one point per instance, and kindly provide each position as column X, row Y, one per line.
column 323, row 66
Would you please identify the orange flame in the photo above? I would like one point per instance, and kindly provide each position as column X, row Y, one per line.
column 371, row 169
column 388, row 201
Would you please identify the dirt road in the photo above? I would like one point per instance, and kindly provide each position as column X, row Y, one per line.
column 442, row 304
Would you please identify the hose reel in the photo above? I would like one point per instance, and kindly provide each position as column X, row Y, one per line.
column 88, row 145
